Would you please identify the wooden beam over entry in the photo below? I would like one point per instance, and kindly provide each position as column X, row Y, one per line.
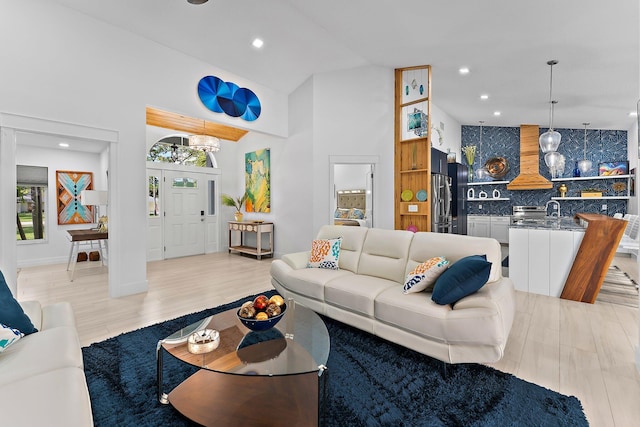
column 168, row 120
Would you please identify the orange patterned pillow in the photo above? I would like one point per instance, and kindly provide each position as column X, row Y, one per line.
column 325, row 253
column 425, row 274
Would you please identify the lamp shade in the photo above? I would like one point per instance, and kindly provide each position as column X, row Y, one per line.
column 204, row 142
column 553, row 159
column 549, row 141
column 94, row 198
column 585, row 165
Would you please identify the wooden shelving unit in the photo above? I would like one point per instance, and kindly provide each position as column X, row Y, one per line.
column 412, row 142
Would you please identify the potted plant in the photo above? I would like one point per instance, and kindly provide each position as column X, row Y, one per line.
column 235, row 203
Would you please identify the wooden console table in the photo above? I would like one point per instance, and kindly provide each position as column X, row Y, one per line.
column 594, row 256
column 251, row 227
column 85, row 236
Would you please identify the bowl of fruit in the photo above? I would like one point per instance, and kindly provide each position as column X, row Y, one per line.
column 262, row 313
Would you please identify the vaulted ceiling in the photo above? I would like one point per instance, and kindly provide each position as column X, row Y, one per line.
column 505, row 44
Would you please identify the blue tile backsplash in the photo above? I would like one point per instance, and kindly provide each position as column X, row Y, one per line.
column 602, row 146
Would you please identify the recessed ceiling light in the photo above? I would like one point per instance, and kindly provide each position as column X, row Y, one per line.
column 257, row 43
column 64, row 145
column 496, row 113
column 633, row 114
column 484, row 96
column 464, row 70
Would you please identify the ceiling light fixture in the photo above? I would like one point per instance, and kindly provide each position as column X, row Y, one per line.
column 585, row 165
column 206, row 143
column 550, row 140
column 633, row 114
column 463, row 70
column 484, row 97
column 63, row 145
column 197, row 1
column 482, row 172
column 496, row 113
column 257, row 43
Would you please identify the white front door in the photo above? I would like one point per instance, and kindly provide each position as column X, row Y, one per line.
column 184, row 213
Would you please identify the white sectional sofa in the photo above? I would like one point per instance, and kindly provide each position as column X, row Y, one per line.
column 367, row 292
column 42, row 380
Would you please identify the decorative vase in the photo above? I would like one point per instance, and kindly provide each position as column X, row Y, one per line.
column 563, row 190
column 576, row 171
column 238, row 216
column 470, row 173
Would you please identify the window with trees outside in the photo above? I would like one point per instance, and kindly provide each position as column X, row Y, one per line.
column 31, row 203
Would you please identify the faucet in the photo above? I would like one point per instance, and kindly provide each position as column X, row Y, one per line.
column 556, row 209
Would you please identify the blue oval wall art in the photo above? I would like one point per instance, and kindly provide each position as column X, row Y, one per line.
column 226, row 97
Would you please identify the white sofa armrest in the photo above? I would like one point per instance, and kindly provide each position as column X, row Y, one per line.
column 33, row 310
column 297, row 260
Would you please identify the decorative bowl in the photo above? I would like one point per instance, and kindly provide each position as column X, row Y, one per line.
column 203, row 341
column 262, row 325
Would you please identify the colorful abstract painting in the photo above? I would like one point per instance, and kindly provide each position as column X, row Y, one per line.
column 257, row 177
column 70, row 209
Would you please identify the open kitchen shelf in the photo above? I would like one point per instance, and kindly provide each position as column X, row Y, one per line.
column 587, row 178
column 488, row 183
column 591, row 198
column 487, row 199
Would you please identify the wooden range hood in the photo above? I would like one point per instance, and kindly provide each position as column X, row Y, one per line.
column 529, row 178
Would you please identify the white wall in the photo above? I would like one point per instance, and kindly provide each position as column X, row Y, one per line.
column 67, row 67
column 353, row 116
column 452, row 135
column 55, row 248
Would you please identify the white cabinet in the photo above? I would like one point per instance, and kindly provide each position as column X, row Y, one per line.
column 479, row 225
column 496, row 227
column 540, row 260
column 500, row 228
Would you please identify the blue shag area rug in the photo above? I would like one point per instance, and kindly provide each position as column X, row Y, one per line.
column 371, row 382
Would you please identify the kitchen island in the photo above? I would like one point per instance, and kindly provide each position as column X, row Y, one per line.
column 565, row 257
column 541, row 253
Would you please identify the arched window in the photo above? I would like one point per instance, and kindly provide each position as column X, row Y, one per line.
column 175, row 149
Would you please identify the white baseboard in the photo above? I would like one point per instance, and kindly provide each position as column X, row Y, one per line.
column 42, row 261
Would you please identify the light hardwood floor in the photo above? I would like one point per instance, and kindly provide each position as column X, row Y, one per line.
column 574, row 348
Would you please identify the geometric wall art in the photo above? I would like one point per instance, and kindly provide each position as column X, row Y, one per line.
column 257, row 177
column 69, row 184
column 226, row 97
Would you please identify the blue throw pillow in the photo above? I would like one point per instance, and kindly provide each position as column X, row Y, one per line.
column 461, row 279
column 11, row 314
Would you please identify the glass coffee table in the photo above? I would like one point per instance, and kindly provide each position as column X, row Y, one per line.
column 251, row 378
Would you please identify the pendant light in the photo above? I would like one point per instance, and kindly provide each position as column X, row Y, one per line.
column 550, row 140
column 482, row 172
column 585, row 165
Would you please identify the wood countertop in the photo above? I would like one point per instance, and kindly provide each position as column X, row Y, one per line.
column 597, row 249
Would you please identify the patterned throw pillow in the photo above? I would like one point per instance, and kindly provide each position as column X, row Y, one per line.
column 341, row 213
column 355, row 213
column 325, row 253
column 425, row 274
column 8, row 336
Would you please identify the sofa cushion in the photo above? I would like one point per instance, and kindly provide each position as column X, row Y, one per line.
column 41, row 352
column 57, row 398
column 414, row 312
column 463, row 278
column 325, row 253
column 425, row 274
column 309, row 282
column 356, row 292
column 384, row 254
column 454, row 247
column 11, row 314
column 351, row 246
column 8, row 336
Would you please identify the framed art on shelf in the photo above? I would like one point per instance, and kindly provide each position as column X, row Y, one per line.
column 613, row 168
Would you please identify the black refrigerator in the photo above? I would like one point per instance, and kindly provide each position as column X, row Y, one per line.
column 459, row 178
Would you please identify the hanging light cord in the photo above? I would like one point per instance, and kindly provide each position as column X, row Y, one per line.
column 480, row 150
column 551, row 101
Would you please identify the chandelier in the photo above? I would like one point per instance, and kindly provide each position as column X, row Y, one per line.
column 550, row 140
column 206, row 143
